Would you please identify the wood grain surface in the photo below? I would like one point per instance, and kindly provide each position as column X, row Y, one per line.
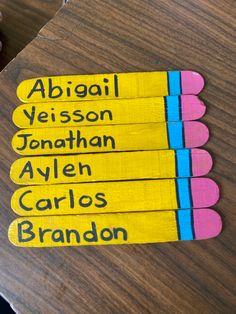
column 105, row 36
column 22, row 19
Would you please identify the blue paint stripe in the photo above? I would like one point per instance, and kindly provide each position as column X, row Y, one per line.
column 173, row 108
column 174, row 82
column 183, row 162
column 184, row 193
column 185, row 224
column 175, row 135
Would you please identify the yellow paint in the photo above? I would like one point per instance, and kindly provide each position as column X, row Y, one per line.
column 87, row 198
column 143, row 227
column 94, row 87
column 100, row 112
column 94, row 167
column 53, row 141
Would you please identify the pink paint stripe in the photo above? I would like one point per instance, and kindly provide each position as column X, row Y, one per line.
column 201, row 162
column 192, row 108
column 196, row 134
column 207, row 224
column 191, row 82
column 205, row 192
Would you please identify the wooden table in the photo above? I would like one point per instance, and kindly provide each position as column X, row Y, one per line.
column 22, row 19
column 107, row 36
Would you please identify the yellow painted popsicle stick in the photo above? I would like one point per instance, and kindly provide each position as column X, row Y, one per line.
column 94, row 167
column 96, row 229
column 100, row 112
column 115, row 228
column 92, row 87
column 52, row 141
column 87, row 198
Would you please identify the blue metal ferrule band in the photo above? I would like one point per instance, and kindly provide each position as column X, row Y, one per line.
column 183, row 163
column 185, row 224
column 174, row 83
column 175, row 134
column 173, row 108
column 184, row 193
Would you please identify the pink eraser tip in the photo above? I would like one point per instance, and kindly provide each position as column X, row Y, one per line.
column 201, row 162
column 192, row 108
column 196, row 134
column 207, row 224
column 191, row 82
column 205, row 192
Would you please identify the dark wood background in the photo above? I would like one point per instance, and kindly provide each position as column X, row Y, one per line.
column 107, row 36
column 22, row 19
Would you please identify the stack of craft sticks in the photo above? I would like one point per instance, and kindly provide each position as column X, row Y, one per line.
column 112, row 159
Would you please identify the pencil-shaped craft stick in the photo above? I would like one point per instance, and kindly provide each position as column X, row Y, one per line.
column 109, row 112
column 107, row 197
column 111, row 166
column 109, row 138
column 115, row 228
column 110, row 86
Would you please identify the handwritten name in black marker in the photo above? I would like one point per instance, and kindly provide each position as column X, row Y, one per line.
column 54, row 172
column 80, row 90
column 43, row 203
column 72, row 140
column 65, row 116
column 27, row 232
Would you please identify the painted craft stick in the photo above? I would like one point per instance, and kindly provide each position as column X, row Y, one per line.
column 118, row 228
column 110, row 86
column 94, row 139
column 107, row 197
column 109, row 112
column 111, row 166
